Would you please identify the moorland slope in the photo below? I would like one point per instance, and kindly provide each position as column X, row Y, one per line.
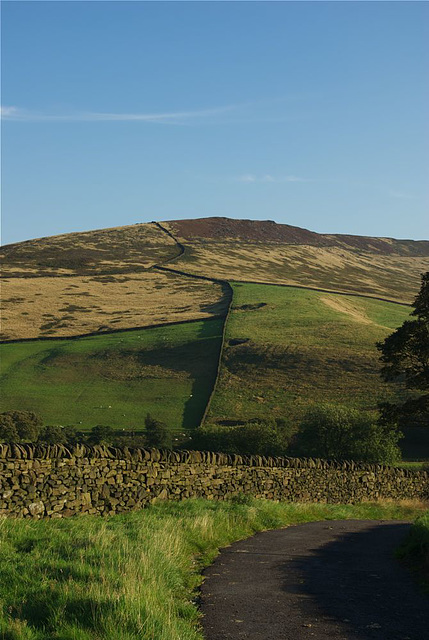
column 264, row 251
column 305, row 333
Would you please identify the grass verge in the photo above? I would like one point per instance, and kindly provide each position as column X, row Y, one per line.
column 415, row 550
column 134, row 576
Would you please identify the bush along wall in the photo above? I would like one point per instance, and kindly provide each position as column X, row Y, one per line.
column 54, row 481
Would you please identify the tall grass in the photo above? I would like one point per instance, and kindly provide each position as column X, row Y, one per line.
column 415, row 548
column 133, row 576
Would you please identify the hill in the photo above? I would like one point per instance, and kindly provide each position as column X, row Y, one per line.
column 287, row 348
column 264, row 251
column 96, row 281
column 306, row 312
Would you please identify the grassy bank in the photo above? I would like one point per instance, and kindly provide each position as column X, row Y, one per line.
column 288, row 348
column 115, row 379
column 415, row 549
column 134, row 576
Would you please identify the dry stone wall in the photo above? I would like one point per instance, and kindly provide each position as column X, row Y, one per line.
column 55, row 482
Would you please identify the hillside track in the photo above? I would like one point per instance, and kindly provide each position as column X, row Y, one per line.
column 317, row 581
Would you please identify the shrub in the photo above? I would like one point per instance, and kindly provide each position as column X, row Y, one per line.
column 73, row 436
column 52, row 435
column 101, row 434
column 8, row 430
column 20, row 425
column 254, row 438
column 334, row 431
column 157, row 433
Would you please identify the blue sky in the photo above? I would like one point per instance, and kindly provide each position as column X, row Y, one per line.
column 308, row 113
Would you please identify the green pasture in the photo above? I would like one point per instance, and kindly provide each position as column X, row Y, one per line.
column 135, row 576
column 296, row 350
column 115, row 379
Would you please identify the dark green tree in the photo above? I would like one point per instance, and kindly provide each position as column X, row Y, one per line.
column 405, row 358
column 8, row 430
column 52, row 434
column 101, row 434
column 342, row 433
column 26, row 425
column 157, row 434
column 257, row 437
column 73, row 436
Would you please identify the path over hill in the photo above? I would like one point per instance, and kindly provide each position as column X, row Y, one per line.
column 321, row 580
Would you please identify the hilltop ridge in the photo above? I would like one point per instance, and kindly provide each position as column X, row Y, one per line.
column 154, row 273
column 269, row 231
column 212, row 228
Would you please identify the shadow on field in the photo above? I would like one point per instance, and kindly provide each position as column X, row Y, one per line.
column 206, row 353
column 355, row 582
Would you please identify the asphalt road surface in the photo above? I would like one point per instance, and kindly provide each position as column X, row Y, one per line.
column 332, row 579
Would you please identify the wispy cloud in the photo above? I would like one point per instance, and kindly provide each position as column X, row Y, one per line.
column 174, row 117
column 400, row 194
column 250, row 177
column 269, row 110
column 8, row 112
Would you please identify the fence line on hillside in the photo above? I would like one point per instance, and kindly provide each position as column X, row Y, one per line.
column 368, row 296
column 229, row 291
column 94, row 334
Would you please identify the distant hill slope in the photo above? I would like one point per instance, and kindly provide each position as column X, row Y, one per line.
column 78, row 283
column 270, row 232
column 98, row 281
column 115, row 379
column 116, row 250
column 264, row 251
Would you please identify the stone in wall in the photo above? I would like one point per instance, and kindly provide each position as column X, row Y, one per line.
column 54, row 482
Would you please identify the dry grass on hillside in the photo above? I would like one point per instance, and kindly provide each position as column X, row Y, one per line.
column 343, row 305
column 116, row 250
column 34, row 307
column 391, row 276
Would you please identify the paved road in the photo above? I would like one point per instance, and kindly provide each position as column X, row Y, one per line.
column 335, row 579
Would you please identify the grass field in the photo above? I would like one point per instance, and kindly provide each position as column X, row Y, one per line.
column 76, row 305
column 115, row 379
column 300, row 347
column 134, row 576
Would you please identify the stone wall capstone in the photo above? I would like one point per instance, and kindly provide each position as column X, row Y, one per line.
column 55, row 481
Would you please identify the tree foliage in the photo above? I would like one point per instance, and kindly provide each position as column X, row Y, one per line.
column 52, row 434
column 405, row 358
column 341, row 433
column 267, row 438
column 8, row 430
column 100, row 434
column 18, row 426
column 55, row 434
column 157, row 434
